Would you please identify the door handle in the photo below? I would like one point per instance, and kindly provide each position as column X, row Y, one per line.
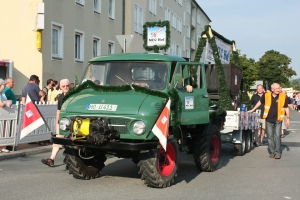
column 204, row 95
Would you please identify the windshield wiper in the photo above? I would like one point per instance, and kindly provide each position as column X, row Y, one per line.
column 124, row 81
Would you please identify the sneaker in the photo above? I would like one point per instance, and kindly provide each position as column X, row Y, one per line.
column 4, row 150
column 256, row 144
column 277, row 156
column 48, row 162
column 272, row 155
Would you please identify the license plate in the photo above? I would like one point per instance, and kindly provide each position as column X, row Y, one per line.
column 107, row 107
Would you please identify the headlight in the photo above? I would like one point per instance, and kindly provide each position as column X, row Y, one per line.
column 64, row 124
column 139, row 127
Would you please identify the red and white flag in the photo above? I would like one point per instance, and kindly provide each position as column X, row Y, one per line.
column 161, row 126
column 32, row 118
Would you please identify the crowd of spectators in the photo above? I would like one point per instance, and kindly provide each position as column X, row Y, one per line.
column 49, row 94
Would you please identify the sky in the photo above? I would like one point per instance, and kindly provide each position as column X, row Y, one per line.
column 258, row 26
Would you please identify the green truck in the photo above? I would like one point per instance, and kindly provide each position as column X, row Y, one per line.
column 119, row 102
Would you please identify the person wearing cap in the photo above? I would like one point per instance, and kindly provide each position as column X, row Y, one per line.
column 3, row 103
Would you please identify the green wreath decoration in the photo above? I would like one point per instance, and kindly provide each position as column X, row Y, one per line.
column 224, row 102
column 156, row 48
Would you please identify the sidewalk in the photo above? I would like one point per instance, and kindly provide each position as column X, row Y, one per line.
column 25, row 150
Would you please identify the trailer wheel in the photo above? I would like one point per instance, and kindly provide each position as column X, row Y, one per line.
column 85, row 167
column 241, row 148
column 158, row 168
column 207, row 149
column 248, row 141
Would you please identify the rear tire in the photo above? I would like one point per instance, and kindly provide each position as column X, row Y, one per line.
column 248, row 141
column 207, row 149
column 158, row 168
column 241, row 148
column 84, row 168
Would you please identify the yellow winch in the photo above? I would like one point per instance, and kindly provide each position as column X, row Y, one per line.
column 81, row 128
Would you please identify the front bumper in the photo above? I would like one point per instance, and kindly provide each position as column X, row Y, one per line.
column 126, row 146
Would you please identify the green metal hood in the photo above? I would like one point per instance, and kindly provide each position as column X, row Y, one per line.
column 90, row 102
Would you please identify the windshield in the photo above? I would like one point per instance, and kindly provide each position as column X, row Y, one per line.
column 146, row 74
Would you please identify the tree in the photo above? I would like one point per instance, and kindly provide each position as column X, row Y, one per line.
column 274, row 68
column 250, row 71
column 295, row 85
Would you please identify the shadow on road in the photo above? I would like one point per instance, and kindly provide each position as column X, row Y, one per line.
column 187, row 169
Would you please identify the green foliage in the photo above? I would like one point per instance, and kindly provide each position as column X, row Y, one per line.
column 295, row 85
column 274, row 68
column 168, row 35
column 250, row 71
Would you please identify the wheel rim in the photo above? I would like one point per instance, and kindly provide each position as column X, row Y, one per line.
column 215, row 144
column 166, row 160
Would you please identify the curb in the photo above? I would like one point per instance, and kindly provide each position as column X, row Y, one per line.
column 25, row 152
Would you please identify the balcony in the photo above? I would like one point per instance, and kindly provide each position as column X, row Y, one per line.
column 193, row 44
column 193, row 25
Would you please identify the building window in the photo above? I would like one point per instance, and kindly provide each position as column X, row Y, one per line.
column 188, row 53
column 198, row 18
column 188, row 7
column 111, row 9
column 138, row 19
column 184, row 18
column 80, row 2
column 111, row 47
column 161, row 3
column 97, row 6
column 188, row 31
column 179, row 24
column 96, row 46
column 183, row 42
column 167, row 14
column 152, row 6
column 79, row 46
column 178, row 50
column 180, row 2
column 57, row 40
column 174, row 20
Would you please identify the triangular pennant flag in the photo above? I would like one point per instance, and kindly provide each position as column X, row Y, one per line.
column 161, row 126
column 32, row 118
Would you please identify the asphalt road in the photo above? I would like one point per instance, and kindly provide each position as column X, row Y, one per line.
column 253, row 176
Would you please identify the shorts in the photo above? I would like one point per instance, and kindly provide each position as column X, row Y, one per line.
column 58, row 145
column 262, row 123
column 283, row 123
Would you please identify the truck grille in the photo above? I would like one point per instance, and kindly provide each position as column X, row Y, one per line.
column 119, row 124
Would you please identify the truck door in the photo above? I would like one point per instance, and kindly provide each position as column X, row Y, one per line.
column 194, row 105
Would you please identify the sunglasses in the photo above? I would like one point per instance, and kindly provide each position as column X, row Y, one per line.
column 63, row 86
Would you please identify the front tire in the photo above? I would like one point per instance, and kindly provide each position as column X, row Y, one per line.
column 241, row 148
column 207, row 149
column 84, row 167
column 158, row 168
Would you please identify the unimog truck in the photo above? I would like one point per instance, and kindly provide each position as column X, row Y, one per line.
column 116, row 112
